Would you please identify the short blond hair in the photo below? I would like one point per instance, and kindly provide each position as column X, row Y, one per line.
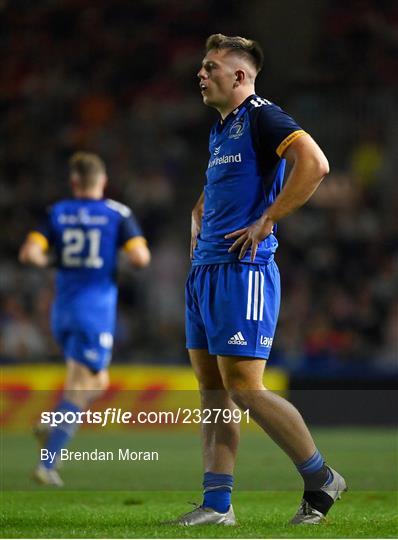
column 247, row 48
column 88, row 167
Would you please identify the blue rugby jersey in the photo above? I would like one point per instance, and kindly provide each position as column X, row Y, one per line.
column 86, row 235
column 244, row 176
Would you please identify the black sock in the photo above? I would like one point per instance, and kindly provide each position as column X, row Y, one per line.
column 313, row 494
column 314, row 481
column 319, row 500
column 316, row 474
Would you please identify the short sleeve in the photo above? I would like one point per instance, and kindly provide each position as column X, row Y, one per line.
column 274, row 130
column 130, row 233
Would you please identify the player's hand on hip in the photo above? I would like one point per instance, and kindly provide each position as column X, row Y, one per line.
column 251, row 236
column 196, row 223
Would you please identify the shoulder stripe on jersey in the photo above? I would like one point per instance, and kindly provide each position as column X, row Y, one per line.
column 259, row 102
column 38, row 238
column 288, row 141
column 118, row 207
column 134, row 242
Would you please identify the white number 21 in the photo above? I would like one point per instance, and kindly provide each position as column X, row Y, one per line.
column 74, row 242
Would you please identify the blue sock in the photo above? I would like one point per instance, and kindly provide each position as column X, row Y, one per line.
column 315, row 472
column 217, row 491
column 60, row 435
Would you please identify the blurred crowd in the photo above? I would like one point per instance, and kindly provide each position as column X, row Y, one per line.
column 119, row 79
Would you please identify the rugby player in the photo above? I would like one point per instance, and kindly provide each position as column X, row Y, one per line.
column 233, row 289
column 85, row 233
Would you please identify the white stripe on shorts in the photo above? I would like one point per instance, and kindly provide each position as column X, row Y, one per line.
column 256, row 296
column 255, row 302
column 249, row 296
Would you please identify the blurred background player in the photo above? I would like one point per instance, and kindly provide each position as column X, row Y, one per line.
column 233, row 289
column 86, row 233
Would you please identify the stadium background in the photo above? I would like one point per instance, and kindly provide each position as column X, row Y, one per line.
column 120, row 79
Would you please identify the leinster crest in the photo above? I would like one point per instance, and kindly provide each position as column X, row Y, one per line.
column 237, row 129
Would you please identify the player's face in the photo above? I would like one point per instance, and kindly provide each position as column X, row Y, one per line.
column 217, row 78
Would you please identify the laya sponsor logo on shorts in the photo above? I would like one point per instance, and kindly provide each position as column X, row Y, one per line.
column 266, row 341
column 237, row 339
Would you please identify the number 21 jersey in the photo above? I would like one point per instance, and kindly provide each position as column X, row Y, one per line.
column 86, row 235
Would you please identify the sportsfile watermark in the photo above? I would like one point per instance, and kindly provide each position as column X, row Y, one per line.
column 151, row 439
column 113, row 415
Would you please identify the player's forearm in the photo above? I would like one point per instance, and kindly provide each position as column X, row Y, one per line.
column 302, row 182
column 139, row 257
column 196, row 222
column 31, row 253
column 197, row 211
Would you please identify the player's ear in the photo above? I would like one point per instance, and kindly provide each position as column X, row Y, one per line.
column 73, row 180
column 239, row 77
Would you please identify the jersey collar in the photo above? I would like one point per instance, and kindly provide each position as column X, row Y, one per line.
column 233, row 114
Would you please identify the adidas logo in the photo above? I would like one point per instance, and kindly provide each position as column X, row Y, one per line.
column 237, row 339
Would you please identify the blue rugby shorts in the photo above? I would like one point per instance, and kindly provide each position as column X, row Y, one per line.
column 89, row 346
column 94, row 350
column 232, row 309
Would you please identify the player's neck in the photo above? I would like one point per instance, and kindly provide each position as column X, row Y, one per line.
column 88, row 194
column 237, row 99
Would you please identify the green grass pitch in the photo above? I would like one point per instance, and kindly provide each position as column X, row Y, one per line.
column 130, row 499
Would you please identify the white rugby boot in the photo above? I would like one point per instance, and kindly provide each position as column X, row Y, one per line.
column 41, row 434
column 47, row 477
column 205, row 516
column 306, row 514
